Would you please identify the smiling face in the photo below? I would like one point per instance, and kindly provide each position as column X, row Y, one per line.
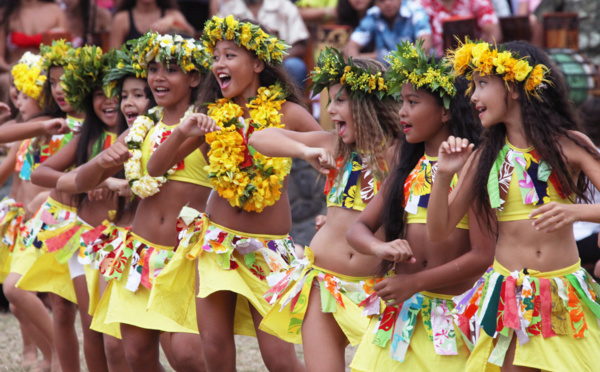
column 341, row 113
column 133, row 99
column 489, row 98
column 236, row 70
column 105, row 108
column 57, row 92
column 28, row 107
column 422, row 117
column 171, row 85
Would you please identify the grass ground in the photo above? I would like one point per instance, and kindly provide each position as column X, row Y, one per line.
column 248, row 355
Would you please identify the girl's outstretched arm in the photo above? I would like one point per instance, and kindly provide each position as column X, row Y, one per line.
column 472, row 264
column 106, row 164
column 361, row 234
column 7, row 167
column 186, row 137
column 21, row 131
column 48, row 173
column 553, row 216
column 448, row 211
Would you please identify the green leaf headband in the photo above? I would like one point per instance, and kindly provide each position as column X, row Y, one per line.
column 332, row 69
column 28, row 74
column 119, row 67
column 188, row 54
column 268, row 48
column 409, row 64
column 55, row 54
column 83, row 74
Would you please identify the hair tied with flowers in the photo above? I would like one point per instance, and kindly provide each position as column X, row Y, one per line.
column 482, row 57
column 267, row 47
column 186, row 53
column 409, row 64
column 332, row 69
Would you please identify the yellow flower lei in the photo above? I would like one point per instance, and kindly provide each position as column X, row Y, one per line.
column 237, row 172
column 28, row 75
column 487, row 59
column 144, row 185
column 267, row 47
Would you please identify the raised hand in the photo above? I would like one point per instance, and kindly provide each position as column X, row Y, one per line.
column 4, row 111
column 197, row 125
column 319, row 158
column 56, row 126
column 113, row 156
column 453, row 154
column 397, row 250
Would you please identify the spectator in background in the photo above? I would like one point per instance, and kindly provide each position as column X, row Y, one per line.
column 22, row 25
column 317, row 11
column 282, row 19
column 388, row 23
column 84, row 20
column 351, row 12
column 136, row 17
column 488, row 28
column 196, row 12
column 586, row 233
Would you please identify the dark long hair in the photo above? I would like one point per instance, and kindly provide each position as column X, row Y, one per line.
column 545, row 122
column 347, row 15
column 162, row 4
column 47, row 102
column 462, row 124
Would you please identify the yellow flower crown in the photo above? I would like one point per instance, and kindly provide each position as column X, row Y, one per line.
column 486, row 59
column 55, row 54
column 409, row 64
column 332, row 68
column 187, row 53
column 267, row 47
column 28, row 75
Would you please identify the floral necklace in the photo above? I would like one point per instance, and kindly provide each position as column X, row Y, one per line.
column 239, row 173
column 144, row 185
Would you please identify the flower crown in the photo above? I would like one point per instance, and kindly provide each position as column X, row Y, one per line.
column 409, row 64
column 332, row 68
column 267, row 47
column 83, row 74
column 119, row 66
column 486, row 59
column 55, row 54
column 186, row 53
column 28, row 75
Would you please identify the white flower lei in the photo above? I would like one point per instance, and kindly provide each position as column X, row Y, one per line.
column 144, row 185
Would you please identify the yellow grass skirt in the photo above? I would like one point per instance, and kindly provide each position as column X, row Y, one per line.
column 221, row 267
column 11, row 222
column 122, row 305
column 341, row 295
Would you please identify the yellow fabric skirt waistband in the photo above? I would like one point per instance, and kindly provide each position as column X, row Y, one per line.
column 248, row 235
column 150, row 244
column 61, row 205
column 437, row 295
column 537, row 274
column 311, row 257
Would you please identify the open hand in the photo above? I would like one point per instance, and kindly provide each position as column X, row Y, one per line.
column 453, row 154
column 113, row 156
column 320, row 159
column 553, row 216
column 397, row 251
column 197, row 125
column 56, row 126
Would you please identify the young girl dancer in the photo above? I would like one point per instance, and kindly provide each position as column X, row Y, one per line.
column 174, row 68
column 368, row 128
column 535, row 164
column 416, row 331
column 242, row 238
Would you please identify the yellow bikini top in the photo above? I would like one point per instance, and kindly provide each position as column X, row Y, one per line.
column 354, row 187
column 514, row 198
column 190, row 169
column 417, row 189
